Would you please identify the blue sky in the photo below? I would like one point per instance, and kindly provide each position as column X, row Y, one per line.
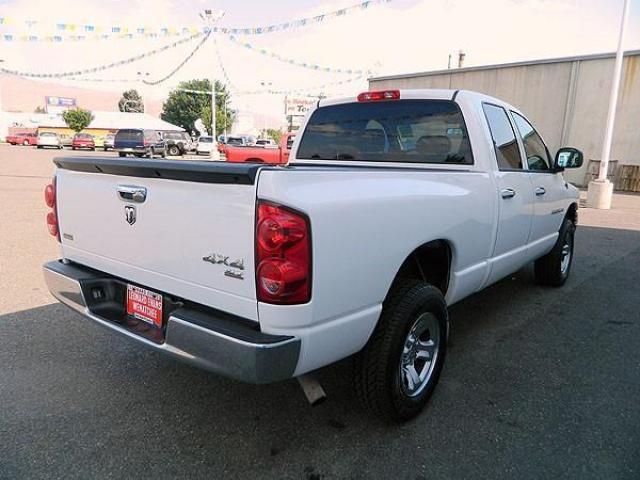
column 402, row 36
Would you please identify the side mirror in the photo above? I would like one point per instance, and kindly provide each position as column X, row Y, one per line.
column 568, row 157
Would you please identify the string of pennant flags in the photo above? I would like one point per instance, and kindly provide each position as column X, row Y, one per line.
column 80, row 37
column 297, row 63
column 180, row 65
column 102, row 68
column 76, row 32
column 315, row 88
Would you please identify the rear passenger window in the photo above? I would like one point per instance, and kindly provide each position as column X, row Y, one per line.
column 416, row 131
column 504, row 139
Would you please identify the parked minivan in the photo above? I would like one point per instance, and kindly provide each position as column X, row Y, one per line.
column 139, row 142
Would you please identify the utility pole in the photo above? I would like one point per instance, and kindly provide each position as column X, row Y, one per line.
column 212, row 19
column 600, row 190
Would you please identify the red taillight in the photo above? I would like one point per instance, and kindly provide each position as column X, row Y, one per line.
column 379, row 95
column 52, row 216
column 52, row 223
column 283, row 255
column 50, row 195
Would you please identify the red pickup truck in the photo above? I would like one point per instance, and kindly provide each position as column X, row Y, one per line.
column 23, row 138
column 279, row 155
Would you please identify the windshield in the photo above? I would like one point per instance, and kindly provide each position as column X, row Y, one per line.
column 417, row 131
column 205, row 140
column 128, row 135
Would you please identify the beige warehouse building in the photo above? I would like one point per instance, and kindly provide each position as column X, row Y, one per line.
column 566, row 98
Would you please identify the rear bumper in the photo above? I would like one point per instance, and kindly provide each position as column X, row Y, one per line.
column 205, row 338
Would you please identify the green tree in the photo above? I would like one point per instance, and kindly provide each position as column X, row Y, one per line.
column 183, row 108
column 274, row 133
column 77, row 119
column 131, row 101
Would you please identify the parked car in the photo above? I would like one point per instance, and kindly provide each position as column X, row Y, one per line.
column 83, row 140
column 266, row 143
column 48, row 139
column 178, row 143
column 205, row 145
column 139, row 142
column 108, row 141
column 26, row 139
column 260, row 154
column 394, row 206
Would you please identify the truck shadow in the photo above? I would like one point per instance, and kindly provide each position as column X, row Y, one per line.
column 80, row 396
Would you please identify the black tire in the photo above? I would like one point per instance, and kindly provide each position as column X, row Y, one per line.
column 39, row 147
column 122, row 154
column 377, row 368
column 550, row 270
column 25, row 143
column 174, row 151
column 73, row 148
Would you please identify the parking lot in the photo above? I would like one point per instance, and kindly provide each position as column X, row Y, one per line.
column 539, row 382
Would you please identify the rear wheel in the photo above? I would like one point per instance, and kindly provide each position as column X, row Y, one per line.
column 397, row 371
column 553, row 269
column 174, row 150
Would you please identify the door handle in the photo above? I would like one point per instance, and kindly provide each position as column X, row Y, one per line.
column 132, row 193
column 540, row 191
column 508, row 193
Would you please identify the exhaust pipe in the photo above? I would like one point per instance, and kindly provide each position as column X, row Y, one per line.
column 312, row 389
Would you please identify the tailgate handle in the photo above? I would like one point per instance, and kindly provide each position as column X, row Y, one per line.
column 132, row 193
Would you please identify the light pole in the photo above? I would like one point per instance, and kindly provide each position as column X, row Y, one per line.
column 1, row 61
column 600, row 190
column 212, row 19
column 143, row 76
column 264, row 118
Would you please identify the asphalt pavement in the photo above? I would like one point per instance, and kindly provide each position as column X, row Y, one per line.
column 539, row 382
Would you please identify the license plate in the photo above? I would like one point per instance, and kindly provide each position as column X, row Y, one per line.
column 144, row 305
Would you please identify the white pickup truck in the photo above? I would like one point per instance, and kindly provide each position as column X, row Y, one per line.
column 394, row 205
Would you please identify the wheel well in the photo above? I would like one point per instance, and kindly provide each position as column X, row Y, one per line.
column 430, row 262
column 254, row 160
column 572, row 213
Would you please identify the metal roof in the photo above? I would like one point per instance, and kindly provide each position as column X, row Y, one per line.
column 102, row 120
column 595, row 56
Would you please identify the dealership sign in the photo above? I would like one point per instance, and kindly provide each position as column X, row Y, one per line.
column 298, row 106
column 59, row 104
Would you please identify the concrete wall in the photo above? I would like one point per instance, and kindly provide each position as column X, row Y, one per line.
column 566, row 100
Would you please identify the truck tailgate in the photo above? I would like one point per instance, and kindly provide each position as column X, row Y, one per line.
column 192, row 235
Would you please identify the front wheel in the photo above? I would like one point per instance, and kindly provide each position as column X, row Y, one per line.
column 174, row 151
column 397, row 371
column 553, row 269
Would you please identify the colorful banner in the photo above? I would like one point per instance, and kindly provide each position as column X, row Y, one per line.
column 102, row 67
column 297, row 63
column 76, row 32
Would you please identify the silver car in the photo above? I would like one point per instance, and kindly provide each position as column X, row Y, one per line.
column 48, row 139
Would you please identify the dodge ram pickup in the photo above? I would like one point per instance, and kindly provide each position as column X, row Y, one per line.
column 394, row 205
